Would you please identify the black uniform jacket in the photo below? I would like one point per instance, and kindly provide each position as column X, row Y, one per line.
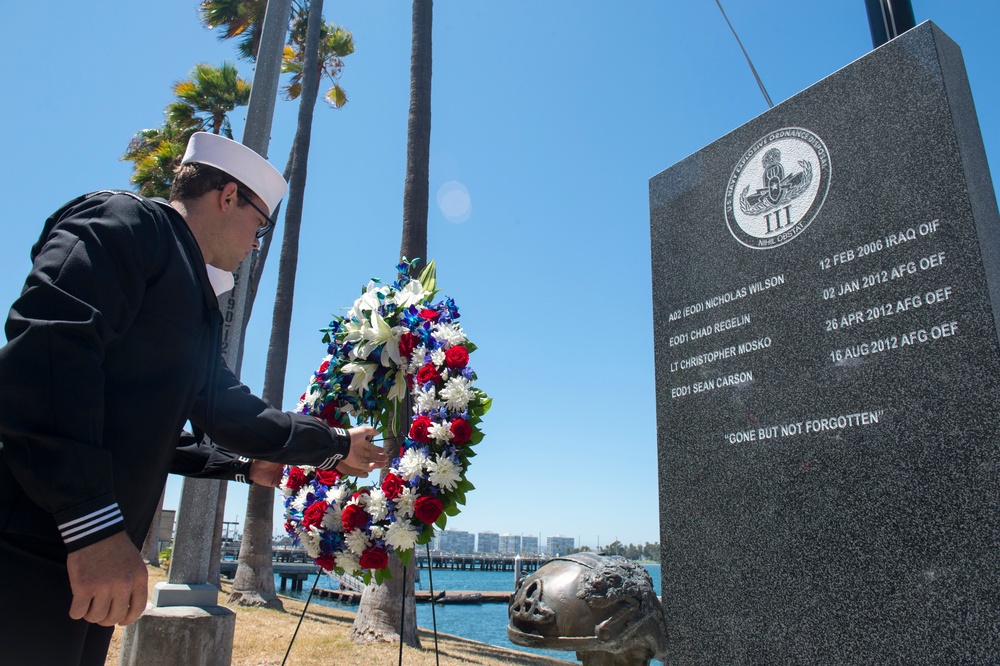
column 113, row 344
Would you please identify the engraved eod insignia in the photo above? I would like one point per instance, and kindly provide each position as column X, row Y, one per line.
column 777, row 188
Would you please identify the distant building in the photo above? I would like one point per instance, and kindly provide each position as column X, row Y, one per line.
column 456, row 541
column 529, row 545
column 166, row 535
column 510, row 544
column 489, row 542
column 558, row 545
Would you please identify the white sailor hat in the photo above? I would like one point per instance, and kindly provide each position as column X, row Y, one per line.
column 240, row 162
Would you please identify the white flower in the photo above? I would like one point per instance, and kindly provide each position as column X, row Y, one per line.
column 412, row 294
column 412, row 464
column 338, row 494
column 310, row 541
column 445, row 473
column 417, row 359
column 457, row 394
column 377, row 532
column 450, row 334
column 368, row 301
column 398, row 390
column 377, row 506
column 363, row 375
column 437, row 357
column 401, row 535
column 302, row 498
column 441, row 431
column 377, row 333
column 331, row 519
column 346, row 561
column 357, row 541
column 425, row 400
column 404, row 503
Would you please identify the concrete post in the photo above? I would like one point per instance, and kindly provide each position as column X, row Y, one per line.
column 184, row 623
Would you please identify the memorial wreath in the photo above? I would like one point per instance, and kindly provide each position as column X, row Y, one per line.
column 400, row 362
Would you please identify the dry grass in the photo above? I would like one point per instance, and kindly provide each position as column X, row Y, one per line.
column 262, row 637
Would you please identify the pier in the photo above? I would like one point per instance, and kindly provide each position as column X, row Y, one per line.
column 294, row 567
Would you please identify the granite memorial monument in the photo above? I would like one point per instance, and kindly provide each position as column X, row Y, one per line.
column 826, row 287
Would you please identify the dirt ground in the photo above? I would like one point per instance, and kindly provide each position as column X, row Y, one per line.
column 262, row 639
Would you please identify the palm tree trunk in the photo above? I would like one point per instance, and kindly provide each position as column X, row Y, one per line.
column 254, row 581
column 378, row 613
column 377, row 620
column 418, row 139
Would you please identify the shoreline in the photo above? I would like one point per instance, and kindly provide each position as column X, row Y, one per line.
column 262, row 638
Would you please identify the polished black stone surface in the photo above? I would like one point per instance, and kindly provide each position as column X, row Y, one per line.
column 826, row 281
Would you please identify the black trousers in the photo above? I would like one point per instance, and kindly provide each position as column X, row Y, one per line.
column 35, row 627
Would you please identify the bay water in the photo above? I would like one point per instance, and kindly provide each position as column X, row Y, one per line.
column 483, row 622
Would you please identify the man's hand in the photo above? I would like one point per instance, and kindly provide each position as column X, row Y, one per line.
column 265, row 473
column 364, row 457
column 109, row 582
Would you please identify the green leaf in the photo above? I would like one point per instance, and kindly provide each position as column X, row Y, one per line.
column 442, row 520
column 452, row 510
column 405, row 556
column 469, row 346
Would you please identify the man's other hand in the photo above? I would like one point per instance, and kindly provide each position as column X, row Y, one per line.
column 364, row 457
column 109, row 582
column 266, row 473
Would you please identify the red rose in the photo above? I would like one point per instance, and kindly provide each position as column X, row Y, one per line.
column 427, row 509
column 353, row 517
column 314, row 514
column 457, row 357
column 290, row 527
column 407, row 343
column 296, row 479
column 419, row 429
column 332, row 415
column 429, row 315
column 392, row 486
column 428, row 373
column 328, row 477
column 323, row 367
column 326, row 561
column 461, row 431
column 374, row 558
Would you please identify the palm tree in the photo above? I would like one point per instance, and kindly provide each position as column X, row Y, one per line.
column 379, row 611
column 326, row 45
column 335, row 44
column 154, row 154
column 205, row 99
column 236, row 18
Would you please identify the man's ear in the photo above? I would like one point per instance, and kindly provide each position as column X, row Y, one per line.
column 227, row 198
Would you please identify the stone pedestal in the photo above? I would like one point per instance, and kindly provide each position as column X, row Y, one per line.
column 189, row 635
column 183, row 623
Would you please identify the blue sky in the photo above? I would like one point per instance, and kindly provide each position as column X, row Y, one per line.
column 551, row 115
